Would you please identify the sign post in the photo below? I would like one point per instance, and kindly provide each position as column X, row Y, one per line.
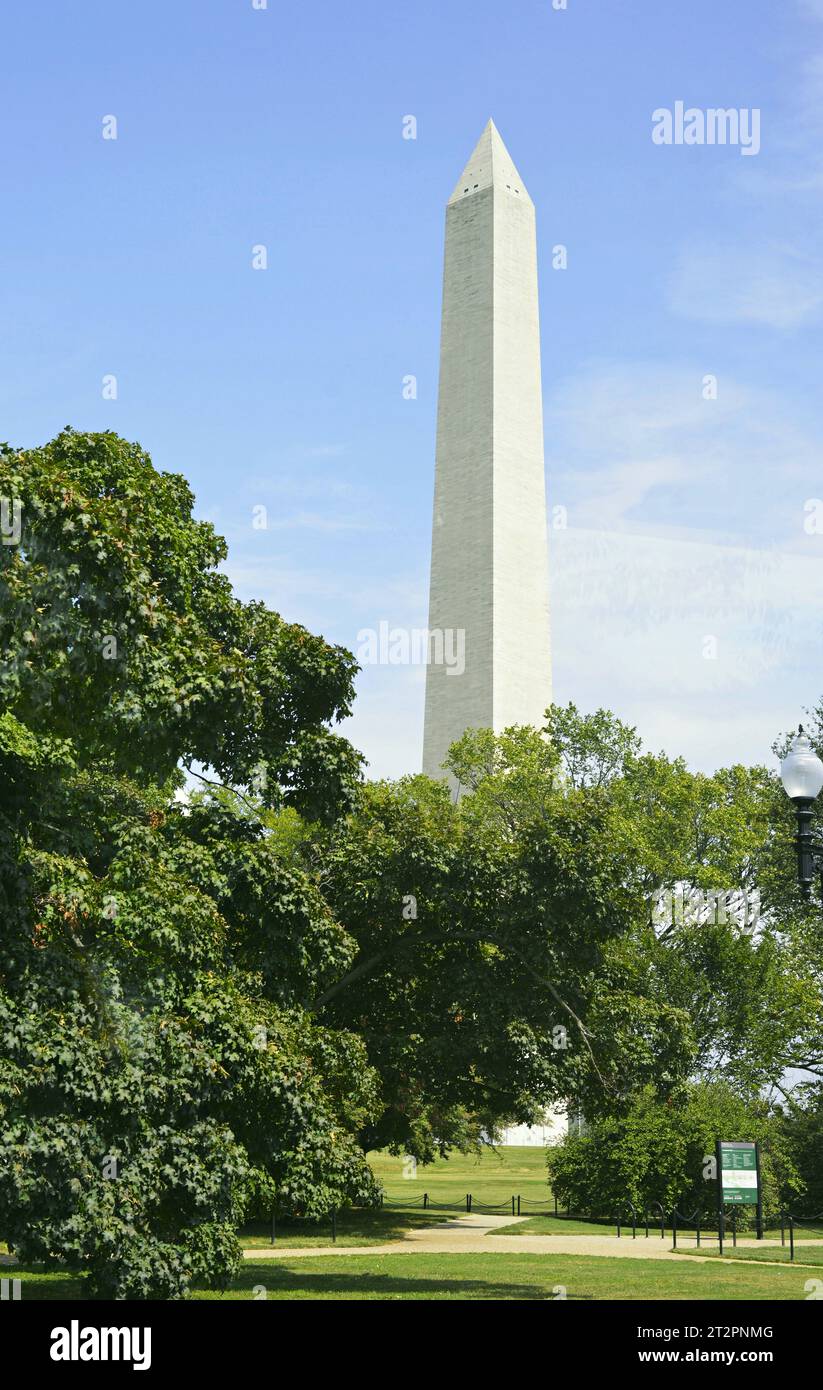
column 738, row 1177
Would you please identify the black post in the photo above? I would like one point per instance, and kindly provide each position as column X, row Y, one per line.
column 734, row 1227
column 334, row 1227
column 646, row 1219
column 674, row 1227
column 555, row 1203
column 698, row 1230
column 273, row 1228
column 721, row 1228
column 782, row 1227
column 634, row 1224
column 518, row 1204
column 425, row 1200
column 468, row 1201
column 759, row 1193
column 804, row 843
column 718, row 1159
column 512, row 1206
column 618, row 1225
column 791, row 1237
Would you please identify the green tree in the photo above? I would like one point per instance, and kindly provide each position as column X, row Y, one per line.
column 662, row 1152
column 730, row 941
column 161, row 1071
column 118, row 632
column 493, row 976
column 530, row 912
column 801, row 1122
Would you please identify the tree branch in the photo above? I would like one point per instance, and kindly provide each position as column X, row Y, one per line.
column 367, row 966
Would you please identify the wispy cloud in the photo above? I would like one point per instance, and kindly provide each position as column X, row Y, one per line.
column 812, row 8
column 779, row 287
column 314, row 521
column 686, row 593
column 345, row 601
column 636, row 447
column 704, row 647
column 810, row 93
column 758, row 277
column 263, row 486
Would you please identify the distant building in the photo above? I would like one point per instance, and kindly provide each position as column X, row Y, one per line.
column 554, row 1127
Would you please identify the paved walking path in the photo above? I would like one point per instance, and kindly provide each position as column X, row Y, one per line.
column 474, row 1234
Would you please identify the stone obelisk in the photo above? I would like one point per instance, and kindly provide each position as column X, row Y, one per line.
column 489, row 566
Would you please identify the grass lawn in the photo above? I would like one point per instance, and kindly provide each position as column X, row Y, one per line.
column 496, row 1277
column 779, row 1254
column 565, row 1226
column 354, row 1227
column 492, row 1177
column 360, row 1227
column 552, row 1226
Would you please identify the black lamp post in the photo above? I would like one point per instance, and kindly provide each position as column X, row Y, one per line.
column 801, row 773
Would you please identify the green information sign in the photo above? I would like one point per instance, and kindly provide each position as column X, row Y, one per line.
column 739, row 1174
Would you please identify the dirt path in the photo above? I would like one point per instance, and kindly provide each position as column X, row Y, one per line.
column 474, row 1234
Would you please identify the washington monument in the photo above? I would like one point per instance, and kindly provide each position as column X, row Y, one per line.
column 489, row 566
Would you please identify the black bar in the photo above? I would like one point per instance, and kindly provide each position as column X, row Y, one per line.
column 805, row 845
column 718, row 1160
column 759, row 1193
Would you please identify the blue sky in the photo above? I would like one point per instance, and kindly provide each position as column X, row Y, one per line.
column 686, row 589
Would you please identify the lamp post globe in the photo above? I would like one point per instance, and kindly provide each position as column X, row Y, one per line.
column 801, row 773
